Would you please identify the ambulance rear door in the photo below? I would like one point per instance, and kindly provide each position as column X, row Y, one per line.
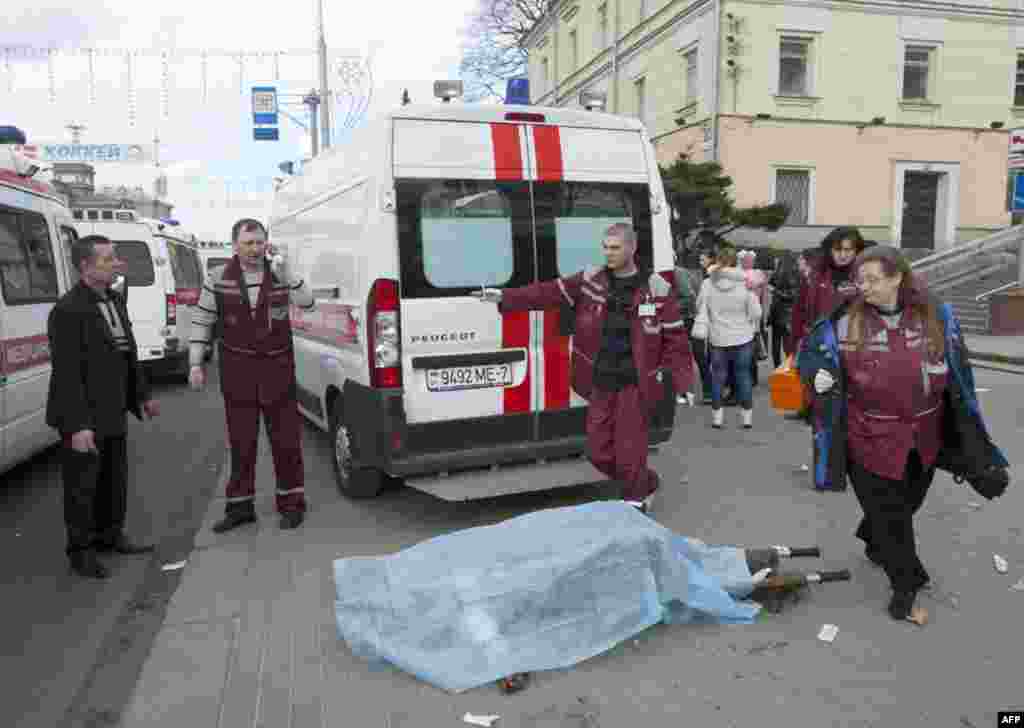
column 465, row 220
column 585, row 179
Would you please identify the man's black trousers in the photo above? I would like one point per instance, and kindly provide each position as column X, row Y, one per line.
column 95, row 492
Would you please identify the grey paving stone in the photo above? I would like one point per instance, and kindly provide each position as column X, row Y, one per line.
column 183, row 680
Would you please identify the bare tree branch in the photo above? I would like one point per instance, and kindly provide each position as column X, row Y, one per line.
column 493, row 48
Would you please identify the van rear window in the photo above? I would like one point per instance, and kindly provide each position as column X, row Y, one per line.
column 456, row 235
column 138, row 269
column 184, row 265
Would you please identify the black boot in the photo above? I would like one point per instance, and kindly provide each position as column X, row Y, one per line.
column 901, row 604
column 291, row 519
column 85, row 563
column 233, row 518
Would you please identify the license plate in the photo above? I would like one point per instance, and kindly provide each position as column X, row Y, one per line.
column 479, row 377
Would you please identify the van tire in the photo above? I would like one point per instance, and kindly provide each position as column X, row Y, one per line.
column 354, row 481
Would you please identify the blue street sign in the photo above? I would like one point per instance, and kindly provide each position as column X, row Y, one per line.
column 264, row 105
column 1018, row 193
column 265, row 133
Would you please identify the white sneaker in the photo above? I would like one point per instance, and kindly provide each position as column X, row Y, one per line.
column 747, row 418
column 717, row 418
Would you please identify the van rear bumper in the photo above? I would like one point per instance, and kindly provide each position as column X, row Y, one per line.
column 381, row 436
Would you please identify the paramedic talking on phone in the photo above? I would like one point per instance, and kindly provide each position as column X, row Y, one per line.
column 628, row 331
column 257, row 373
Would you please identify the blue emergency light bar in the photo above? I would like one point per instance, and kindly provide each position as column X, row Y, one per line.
column 11, row 135
column 517, row 91
column 169, row 221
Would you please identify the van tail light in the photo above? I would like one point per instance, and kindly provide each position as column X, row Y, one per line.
column 172, row 309
column 383, row 340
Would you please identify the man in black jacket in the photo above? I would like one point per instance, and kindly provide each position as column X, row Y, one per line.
column 96, row 378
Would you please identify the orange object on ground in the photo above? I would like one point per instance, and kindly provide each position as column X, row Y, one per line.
column 787, row 391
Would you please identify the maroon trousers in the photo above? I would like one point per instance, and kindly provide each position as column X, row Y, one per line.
column 617, row 440
column 284, row 429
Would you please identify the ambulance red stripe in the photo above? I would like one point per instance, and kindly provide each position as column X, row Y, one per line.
column 508, row 156
column 556, row 362
column 548, row 145
column 515, row 334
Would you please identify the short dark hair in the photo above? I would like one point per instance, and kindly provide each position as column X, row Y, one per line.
column 84, row 249
column 246, row 225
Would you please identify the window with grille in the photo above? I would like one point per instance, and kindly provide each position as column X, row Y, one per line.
column 793, row 187
column 916, row 62
column 794, row 67
column 640, row 87
column 1018, row 89
column 691, row 76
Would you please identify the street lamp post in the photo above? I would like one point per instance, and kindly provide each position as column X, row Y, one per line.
column 325, row 93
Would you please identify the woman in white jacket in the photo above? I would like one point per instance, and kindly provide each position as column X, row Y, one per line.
column 728, row 314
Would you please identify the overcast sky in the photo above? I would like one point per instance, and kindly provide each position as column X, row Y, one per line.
column 216, row 171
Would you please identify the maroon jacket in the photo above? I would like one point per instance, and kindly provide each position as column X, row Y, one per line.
column 257, row 359
column 894, row 396
column 659, row 341
column 817, row 298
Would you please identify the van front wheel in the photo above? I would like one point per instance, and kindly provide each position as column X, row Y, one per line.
column 354, row 481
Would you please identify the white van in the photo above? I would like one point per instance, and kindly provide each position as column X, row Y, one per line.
column 34, row 219
column 411, row 376
column 163, row 276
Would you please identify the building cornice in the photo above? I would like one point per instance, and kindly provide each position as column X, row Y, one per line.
column 905, row 7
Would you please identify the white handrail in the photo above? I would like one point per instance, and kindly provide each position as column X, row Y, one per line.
column 994, row 291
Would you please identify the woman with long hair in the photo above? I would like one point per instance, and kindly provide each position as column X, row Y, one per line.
column 879, row 366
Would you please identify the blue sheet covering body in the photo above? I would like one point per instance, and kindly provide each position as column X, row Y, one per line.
column 541, row 591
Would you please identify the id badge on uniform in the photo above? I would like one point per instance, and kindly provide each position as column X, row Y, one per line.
column 647, row 309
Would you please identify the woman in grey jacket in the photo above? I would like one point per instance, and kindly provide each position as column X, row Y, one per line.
column 728, row 314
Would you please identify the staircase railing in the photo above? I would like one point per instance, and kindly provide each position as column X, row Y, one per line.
column 1005, row 287
column 970, row 261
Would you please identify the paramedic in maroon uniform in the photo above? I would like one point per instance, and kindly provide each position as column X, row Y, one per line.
column 628, row 331
column 257, row 372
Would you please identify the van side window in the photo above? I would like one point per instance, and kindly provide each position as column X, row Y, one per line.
column 579, row 213
column 27, row 268
column 138, row 263
column 456, row 235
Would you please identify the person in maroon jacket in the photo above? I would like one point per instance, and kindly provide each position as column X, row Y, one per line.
column 629, row 330
column 828, row 284
column 891, row 377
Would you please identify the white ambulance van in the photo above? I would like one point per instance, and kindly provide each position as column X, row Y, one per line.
column 410, row 375
column 163, row 281
column 34, row 219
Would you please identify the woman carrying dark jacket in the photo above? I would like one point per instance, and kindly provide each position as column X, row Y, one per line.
column 828, row 284
column 785, row 284
column 880, row 365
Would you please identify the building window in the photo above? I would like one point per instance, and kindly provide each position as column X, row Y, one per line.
column 602, row 27
column 640, row 86
column 1018, row 89
column 692, row 78
column 574, row 49
column 916, row 65
column 793, row 187
column 794, row 67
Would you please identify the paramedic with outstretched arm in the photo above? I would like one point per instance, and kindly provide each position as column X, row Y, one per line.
column 628, row 332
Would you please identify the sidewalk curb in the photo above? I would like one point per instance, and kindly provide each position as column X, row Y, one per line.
column 997, row 358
